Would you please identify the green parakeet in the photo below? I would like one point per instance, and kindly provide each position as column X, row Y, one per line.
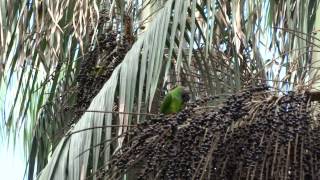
column 175, row 100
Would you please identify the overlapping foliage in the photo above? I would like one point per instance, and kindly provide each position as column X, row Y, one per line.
column 211, row 46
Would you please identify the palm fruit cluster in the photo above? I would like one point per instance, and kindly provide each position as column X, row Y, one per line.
column 250, row 135
column 96, row 68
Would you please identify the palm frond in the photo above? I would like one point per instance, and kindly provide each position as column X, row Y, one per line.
column 213, row 47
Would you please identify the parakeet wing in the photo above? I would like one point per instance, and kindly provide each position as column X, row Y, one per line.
column 166, row 104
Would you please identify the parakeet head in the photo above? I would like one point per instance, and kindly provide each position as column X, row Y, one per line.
column 185, row 94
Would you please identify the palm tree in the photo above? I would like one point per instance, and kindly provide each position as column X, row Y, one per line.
column 87, row 71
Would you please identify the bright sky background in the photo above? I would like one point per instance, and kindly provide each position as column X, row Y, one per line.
column 12, row 160
column 12, row 164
